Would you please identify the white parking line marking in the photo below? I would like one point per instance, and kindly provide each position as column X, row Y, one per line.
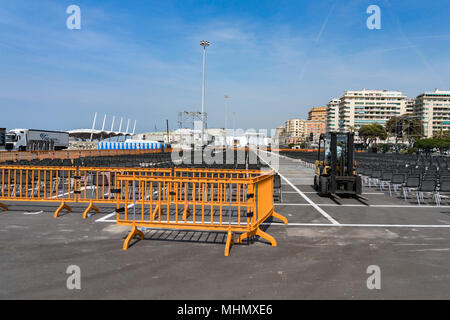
column 321, row 211
column 364, row 225
column 362, row 205
column 39, row 212
column 328, row 225
column 313, row 192
column 104, row 219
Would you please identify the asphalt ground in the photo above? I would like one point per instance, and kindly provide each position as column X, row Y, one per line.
column 324, row 252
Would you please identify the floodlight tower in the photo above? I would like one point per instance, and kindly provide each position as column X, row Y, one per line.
column 204, row 44
column 226, row 118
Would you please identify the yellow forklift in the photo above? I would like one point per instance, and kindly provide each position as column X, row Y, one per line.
column 335, row 166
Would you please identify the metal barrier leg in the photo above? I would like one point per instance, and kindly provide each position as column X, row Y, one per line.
column 91, row 207
column 280, row 217
column 155, row 212
column 134, row 231
column 61, row 207
column 4, row 206
column 245, row 236
column 186, row 213
column 260, row 233
column 266, row 236
column 229, row 244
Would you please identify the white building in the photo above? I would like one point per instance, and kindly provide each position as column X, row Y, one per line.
column 433, row 108
column 357, row 108
column 295, row 128
column 409, row 106
column 333, row 115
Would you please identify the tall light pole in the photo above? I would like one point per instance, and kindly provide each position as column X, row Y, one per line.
column 234, row 128
column 204, row 44
column 226, row 118
column 226, row 111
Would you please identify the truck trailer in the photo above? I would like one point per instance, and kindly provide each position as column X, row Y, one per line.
column 2, row 138
column 32, row 140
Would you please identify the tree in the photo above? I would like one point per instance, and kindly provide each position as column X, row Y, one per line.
column 406, row 126
column 394, row 126
column 429, row 144
column 369, row 133
column 441, row 134
column 413, row 128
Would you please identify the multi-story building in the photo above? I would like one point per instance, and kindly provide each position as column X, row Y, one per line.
column 299, row 130
column 318, row 114
column 281, row 137
column 409, row 106
column 295, row 128
column 332, row 115
column 433, row 108
column 357, row 108
column 314, row 127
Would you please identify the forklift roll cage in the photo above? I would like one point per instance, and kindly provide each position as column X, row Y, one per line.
column 337, row 168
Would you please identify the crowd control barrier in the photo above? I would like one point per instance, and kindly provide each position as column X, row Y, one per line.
column 232, row 201
column 66, row 184
column 70, row 154
column 215, row 204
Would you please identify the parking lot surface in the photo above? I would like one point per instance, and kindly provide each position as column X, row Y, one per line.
column 324, row 252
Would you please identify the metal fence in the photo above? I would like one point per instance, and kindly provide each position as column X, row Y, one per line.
column 69, row 154
column 232, row 205
column 232, row 201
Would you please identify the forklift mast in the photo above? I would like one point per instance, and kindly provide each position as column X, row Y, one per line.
column 335, row 174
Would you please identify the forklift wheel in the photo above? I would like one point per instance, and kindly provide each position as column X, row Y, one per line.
column 323, row 186
column 358, row 185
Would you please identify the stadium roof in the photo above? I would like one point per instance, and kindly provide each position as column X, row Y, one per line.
column 85, row 134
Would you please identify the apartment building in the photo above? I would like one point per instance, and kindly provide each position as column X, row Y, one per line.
column 281, row 137
column 299, row 130
column 295, row 128
column 409, row 106
column 357, row 108
column 433, row 108
column 314, row 127
column 318, row 114
column 332, row 122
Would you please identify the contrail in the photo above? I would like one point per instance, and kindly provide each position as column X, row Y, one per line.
column 324, row 25
column 322, row 29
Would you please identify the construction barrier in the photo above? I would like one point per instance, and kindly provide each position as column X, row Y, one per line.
column 85, row 185
column 69, row 154
column 224, row 204
column 66, row 184
column 232, row 201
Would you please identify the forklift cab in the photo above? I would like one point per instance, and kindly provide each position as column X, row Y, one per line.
column 335, row 165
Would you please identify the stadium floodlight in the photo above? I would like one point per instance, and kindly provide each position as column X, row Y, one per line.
column 204, row 44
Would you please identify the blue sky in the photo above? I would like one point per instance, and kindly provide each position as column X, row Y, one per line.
column 275, row 59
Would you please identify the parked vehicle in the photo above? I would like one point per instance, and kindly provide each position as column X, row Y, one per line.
column 31, row 139
column 2, row 138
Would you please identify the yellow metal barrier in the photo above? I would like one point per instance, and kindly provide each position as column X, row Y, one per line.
column 232, row 205
column 214, row 173
column 65, row 184
column 70, row 154
column 232, row 201
column 54, row 184
column 99, row 185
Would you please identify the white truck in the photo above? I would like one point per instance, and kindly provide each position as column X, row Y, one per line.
column 2, row 138
column 31, row 139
